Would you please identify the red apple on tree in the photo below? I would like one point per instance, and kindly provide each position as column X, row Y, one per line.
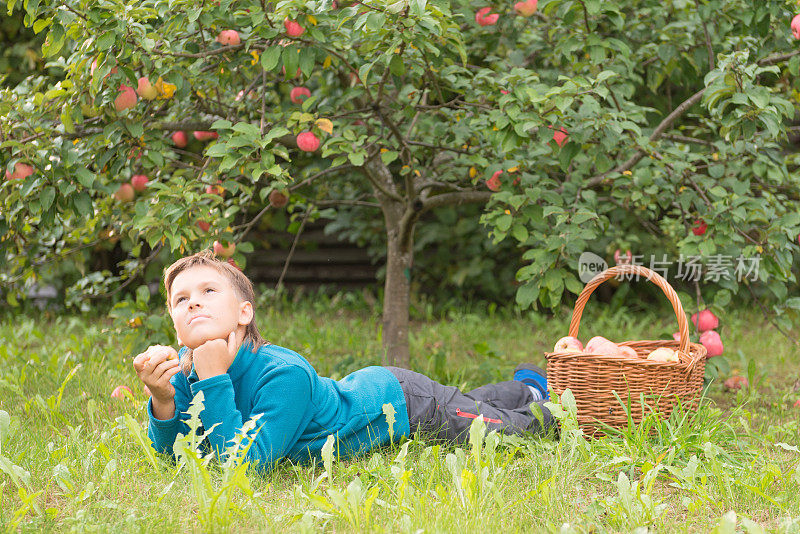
column 278, row 199
column 126, row 98
column 145, row 89
column 796, row 26
column 494, row 182
column 205, row 136
column 229, row 37
column 483, row 17
column 699, row 227
column 307, row 141
column 293, row 29
column 526, row 9
column 215, row 189
column 203, row 225
column 179, row 139
column 298, row 94
column 125, row 193
column 93, row 67
column 560, row 136
column 712, row 342
column 21, row 170
column 225, row 252
column 619, row 259
column 705, row 320
column 240, row 95
column 139, row 182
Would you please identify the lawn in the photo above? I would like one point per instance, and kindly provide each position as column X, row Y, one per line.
column 73, row 458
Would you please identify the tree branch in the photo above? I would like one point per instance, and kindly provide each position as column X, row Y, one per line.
column 708, row 38
column 659, row 132
column 249, row 226
column 684, row 139
column 294, row 246
column 380, row 187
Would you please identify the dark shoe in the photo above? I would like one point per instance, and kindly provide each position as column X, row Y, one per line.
column 531, row 375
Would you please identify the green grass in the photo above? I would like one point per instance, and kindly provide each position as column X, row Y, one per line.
column 72, row 459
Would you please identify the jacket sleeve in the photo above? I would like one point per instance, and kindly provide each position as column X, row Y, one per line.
column 282, row 397
column 162, row 432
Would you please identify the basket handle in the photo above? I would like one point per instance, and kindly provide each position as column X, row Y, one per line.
column 652, row 276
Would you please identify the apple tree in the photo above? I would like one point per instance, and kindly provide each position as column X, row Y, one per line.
column 576, row 124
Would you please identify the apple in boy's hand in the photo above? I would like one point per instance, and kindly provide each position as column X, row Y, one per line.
column 154, row 367
column 215, row 356
column 568, row 344
column 119, row 392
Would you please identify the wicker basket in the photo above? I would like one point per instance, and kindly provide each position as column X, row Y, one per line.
column 593, row 378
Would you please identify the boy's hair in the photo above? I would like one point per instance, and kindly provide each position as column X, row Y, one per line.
column 240, row 283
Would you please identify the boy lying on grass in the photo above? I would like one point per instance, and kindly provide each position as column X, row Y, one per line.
column 241, row 375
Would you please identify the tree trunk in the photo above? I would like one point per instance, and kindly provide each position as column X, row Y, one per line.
column 397, row 289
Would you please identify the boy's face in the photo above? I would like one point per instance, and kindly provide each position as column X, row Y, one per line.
column 205, row 306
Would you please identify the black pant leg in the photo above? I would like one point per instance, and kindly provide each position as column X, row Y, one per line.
column 511, row 394
column 446, row 414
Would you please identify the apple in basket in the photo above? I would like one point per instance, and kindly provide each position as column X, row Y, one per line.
column 624, row 350
column 663, row 354
column 568, row 344
column 601, row 345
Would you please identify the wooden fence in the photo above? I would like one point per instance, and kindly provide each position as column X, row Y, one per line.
column 318, row 259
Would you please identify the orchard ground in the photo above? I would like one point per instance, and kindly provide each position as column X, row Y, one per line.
column 74, row 458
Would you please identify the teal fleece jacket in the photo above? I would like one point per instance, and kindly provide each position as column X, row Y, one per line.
column 300, row 408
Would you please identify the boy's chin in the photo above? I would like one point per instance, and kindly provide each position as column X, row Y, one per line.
column 196, row 342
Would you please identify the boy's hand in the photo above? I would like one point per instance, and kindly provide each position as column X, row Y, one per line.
column 155, row 367
column 215, row 356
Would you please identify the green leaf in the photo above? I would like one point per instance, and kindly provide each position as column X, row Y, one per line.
column 83, row 204
column 85, row 177
column 568, row 151
column 503, row 223
column 356, row 158
column 520, row 233
column 41, row 24
column 396, row 65
column 106, row 40
column 389, row 156
column 251, row 130
column 307, row 58
column 270, row 57
column 290, row 58
column 217, row 150
column 5, row 424
column 221, row 124
column 66, row 120
column 48, row 195
column 375, row 21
